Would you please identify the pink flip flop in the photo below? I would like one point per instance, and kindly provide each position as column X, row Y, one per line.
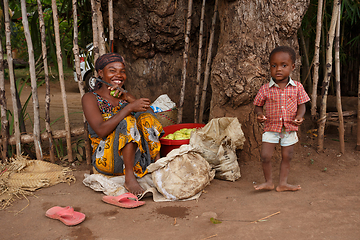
column 126, row 200
column 67, row 215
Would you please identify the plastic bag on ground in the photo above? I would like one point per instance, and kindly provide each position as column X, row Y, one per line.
column 183, row 173
column 218, row 141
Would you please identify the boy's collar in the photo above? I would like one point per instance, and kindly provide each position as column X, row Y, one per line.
column 272, row 82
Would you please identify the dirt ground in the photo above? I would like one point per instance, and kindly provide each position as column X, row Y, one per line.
column 327, row 206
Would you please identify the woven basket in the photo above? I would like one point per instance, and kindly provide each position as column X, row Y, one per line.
column 167, row 118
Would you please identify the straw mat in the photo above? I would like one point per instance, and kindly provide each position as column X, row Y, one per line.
column 22, row 176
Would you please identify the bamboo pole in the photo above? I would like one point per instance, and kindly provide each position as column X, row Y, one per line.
column 46, row 72
column 3, row 106
column 316, row 59
column 325, row 85
column 358, row 117
column 111, row 25
column 198, row 76
column 12, row 77
column 35, row 98
column 101, row 38
column 95, row 32
column 208, row 62
column 185, row 61
column 338, row 87
column 80, row 80
column 28, row 138
column 61, row 78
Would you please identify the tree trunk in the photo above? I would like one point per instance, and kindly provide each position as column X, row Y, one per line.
column 185, row 61
column 46, row 72
column 198, row 73
column 249, row 31
column 100, row 27
column 95, row 32
column 326, row 81
column 12, row 77
column 61, row 78
column 338, row 88
column 316, row 60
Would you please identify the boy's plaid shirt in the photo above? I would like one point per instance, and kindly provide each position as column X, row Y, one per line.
column 281, row 105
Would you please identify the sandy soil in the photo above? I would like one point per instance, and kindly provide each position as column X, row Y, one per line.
column 327, row 206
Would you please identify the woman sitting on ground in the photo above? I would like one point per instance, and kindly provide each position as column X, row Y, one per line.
column 124, row 131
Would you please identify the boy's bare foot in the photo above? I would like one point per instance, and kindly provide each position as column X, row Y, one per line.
column 133, row 186
column 264, row 186
column 287, row 187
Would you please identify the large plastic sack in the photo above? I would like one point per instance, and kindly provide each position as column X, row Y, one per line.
column 162, row 103
column 182, row 174
column 218, row 141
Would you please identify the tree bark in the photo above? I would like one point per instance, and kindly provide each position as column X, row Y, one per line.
column 61, row 78
column 326, row 81
column 185, row 62
column 249, row 31
column 316, row 59
column 338, row 86
column 46, row 72
column 12, row 77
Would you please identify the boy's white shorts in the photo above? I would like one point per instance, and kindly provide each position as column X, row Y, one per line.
column 285, row 138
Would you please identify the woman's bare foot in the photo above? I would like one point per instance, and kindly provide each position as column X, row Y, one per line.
column 132, row 185
column 265, row 186
column 287, row 187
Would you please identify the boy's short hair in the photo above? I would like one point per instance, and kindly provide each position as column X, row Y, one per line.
column 285, row 49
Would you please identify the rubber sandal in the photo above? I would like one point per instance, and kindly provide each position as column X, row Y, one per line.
column 66, row 215
column 126, row 200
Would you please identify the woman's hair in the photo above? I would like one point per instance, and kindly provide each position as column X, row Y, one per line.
column 107, row 58
column 285, row 49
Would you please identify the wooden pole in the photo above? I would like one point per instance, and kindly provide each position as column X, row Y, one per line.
column 95, row 32
column 46, row 72
column 61, row 78
column 3, row 107
column 316, row 60
column 185, row 62
column 307, row 65
column 111, row 25
column 198, row 76
column 358, row 117
column 28, row 138
column 338, row 87
column 101, row 38
column 208, row 63
column 12, row 78
column 80, row 80
column 326, row 81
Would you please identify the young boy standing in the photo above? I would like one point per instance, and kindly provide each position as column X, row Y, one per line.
column 284, row 101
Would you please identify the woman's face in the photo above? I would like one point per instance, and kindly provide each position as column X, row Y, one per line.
column 114, row 73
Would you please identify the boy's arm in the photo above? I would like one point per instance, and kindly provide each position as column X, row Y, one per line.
column 300, row 114
column 260, row 114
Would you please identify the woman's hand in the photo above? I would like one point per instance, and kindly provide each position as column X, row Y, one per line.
column 139, row 105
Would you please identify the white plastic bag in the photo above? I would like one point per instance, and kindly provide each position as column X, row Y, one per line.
column 218, row 141
column 162, row 103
